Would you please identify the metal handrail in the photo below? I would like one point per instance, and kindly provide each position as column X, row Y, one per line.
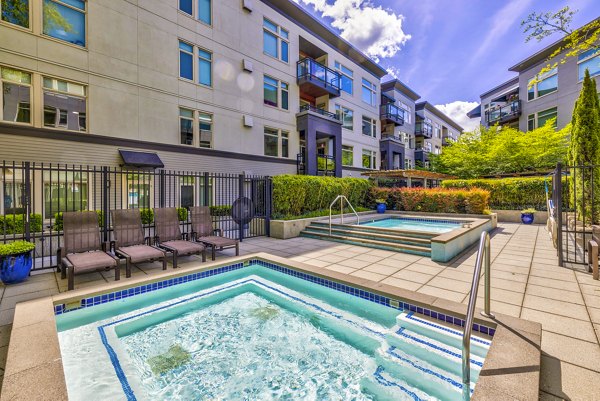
column 341, row 197
column 483, row 255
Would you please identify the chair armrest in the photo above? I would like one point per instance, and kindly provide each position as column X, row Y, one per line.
column 105, row 246
column 218, row 231
column 185, row 236
column 148, row 240
column 156, row 240
column 194, row 235
column 112, row 246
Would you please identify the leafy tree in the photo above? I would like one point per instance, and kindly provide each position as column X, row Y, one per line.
column 539, row 26
column 584, row 150
column 502, row 150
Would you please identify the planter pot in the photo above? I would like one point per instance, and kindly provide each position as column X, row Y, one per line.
column 15, row 268
column 527, row 218
column 381, row 208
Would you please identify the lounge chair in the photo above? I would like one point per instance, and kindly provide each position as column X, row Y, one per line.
column 83, row 251
column 168, row 235
column 129, row 241
column 203, row 231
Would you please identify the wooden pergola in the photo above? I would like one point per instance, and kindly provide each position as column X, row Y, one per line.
column 409, row 176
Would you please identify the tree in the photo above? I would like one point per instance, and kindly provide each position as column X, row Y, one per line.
column 539, row 26
column 503, row 150
column 584, row 150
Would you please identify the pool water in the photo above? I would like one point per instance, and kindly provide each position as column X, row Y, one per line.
column 429, row 226
column 259, row 334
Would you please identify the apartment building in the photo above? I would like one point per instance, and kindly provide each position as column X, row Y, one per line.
column 233, row 85
column 518, row 104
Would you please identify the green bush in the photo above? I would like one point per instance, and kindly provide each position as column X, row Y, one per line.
column 182, row 214
column 322, row 212
column 295, row 195
column 148, row 215
column 16, row 247
column 58, row 220
column 222, row 210
column 15, row 224
column 509, row 193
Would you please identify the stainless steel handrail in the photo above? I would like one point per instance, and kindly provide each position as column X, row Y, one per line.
column 483, row 255
column 342, row 198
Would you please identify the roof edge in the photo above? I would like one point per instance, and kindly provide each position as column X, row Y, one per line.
column 426, row 105
column 402, row 87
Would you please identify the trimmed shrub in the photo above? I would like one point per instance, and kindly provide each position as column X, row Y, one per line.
column 182, row 214
column 16, row 248
column 222, row 210
column 148, row 215
column 508, row 193
column 295, row 195
column 15, row 224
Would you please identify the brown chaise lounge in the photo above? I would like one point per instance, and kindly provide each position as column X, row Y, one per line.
column 203, row 231
column 83, row 251
column 168, row 235
column 129, row 241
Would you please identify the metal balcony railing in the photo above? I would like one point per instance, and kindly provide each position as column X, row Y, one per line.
column 310, row 69
column 391, row 112
column 505, row 113
column 325, row 113
column 423, row 129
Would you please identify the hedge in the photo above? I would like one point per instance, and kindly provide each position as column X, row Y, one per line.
column 15, row 223
column 509, row 193
column 436, row 200
column 295, row 195
column 222, row 210
column 147, row 217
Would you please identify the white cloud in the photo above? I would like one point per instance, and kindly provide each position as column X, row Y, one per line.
column 374, row 30
column 458, row 112
column 392, row 72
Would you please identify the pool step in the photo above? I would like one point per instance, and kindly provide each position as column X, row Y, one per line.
column 409, row 240
column 380, row 230
column 382, row 386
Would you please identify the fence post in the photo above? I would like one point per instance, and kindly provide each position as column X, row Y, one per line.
column 241, row 195
column 27, row 200
column 162, row 189
column 268, row 204
column 105, row 197
column 206, row 189
column 559, row 216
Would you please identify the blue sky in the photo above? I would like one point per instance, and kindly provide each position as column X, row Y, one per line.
column 448, row 51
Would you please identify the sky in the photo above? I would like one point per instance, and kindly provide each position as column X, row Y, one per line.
column 448, row 51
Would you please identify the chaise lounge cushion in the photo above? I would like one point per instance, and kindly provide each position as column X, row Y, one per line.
column 141, row 253
column 184, row 247
column 91, row 260
column 217, row 241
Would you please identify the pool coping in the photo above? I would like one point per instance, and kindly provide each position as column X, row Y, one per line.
column 511, row 369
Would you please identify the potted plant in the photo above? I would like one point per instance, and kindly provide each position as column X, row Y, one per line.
column 380, row 205
column 15, row 261
column 528, row 215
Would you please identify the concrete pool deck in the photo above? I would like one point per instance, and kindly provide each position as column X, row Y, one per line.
column 526, row 282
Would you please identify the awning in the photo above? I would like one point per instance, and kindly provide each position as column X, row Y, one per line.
column 140, row 159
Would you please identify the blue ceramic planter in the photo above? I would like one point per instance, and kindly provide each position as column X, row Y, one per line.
column 381, row 208
column 15, row 268
column 527, row 218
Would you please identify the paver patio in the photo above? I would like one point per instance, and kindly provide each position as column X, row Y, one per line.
column 526, row 282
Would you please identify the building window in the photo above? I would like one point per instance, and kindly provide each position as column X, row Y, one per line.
column 346, row 116
column 65, row 20
column 530, row 122
column 139, row 191
column 276, row 92
column 64, row 105
column 205, row 11
column 346, row 74
column 369, row 127
column 187, row 6
column 64, row 192
column 369, row 91
column 16, row 12
column 407, row 112
column 368, row 159
column 347, row 155
column 275, row 41
column 204, row 67
column 540, row 118
column 408, row 164
column 186, row 126
column 589, row 60
column 548, row 83
column 205, row 129
column 15, row 96
column 271, row 142
column 186, row 60
column 285, row 144
column 438, row 131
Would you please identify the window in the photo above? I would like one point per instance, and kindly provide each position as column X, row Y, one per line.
column 186, row 126
column 285, row 144
column 408, row 164
column 64, row 105
column 271, row 142
column 139, row 191
column 276, row 92
column 437, row 130
column 368, row 159
column 205, row 129
column 65, row 20
column 204, row 67
column 187, row 193
column 544, row 116
column 407, row 112
column 346, row 74
column 16, row 12
column 347, row 155
column 15, row 95
column 187, row 6
column 205, row 11
column 548, row 83
column 186, row 61
column 368, row 92
column 64, row 192
column 346, row 116
column 589, row 60
column 275, row 41
column 369, row 127
column 530, row 122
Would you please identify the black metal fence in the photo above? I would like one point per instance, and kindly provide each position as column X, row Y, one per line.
column 575, row 208
column 34, row 196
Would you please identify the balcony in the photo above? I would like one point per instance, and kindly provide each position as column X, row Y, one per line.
column 393, row 137
column 423, row 129
column 505, row 114
column 391, row 114
column 321, row 112
column 316, row 80
column 422, row 155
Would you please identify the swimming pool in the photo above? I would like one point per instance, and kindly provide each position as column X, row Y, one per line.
column 257, row 330
column 413, row 224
